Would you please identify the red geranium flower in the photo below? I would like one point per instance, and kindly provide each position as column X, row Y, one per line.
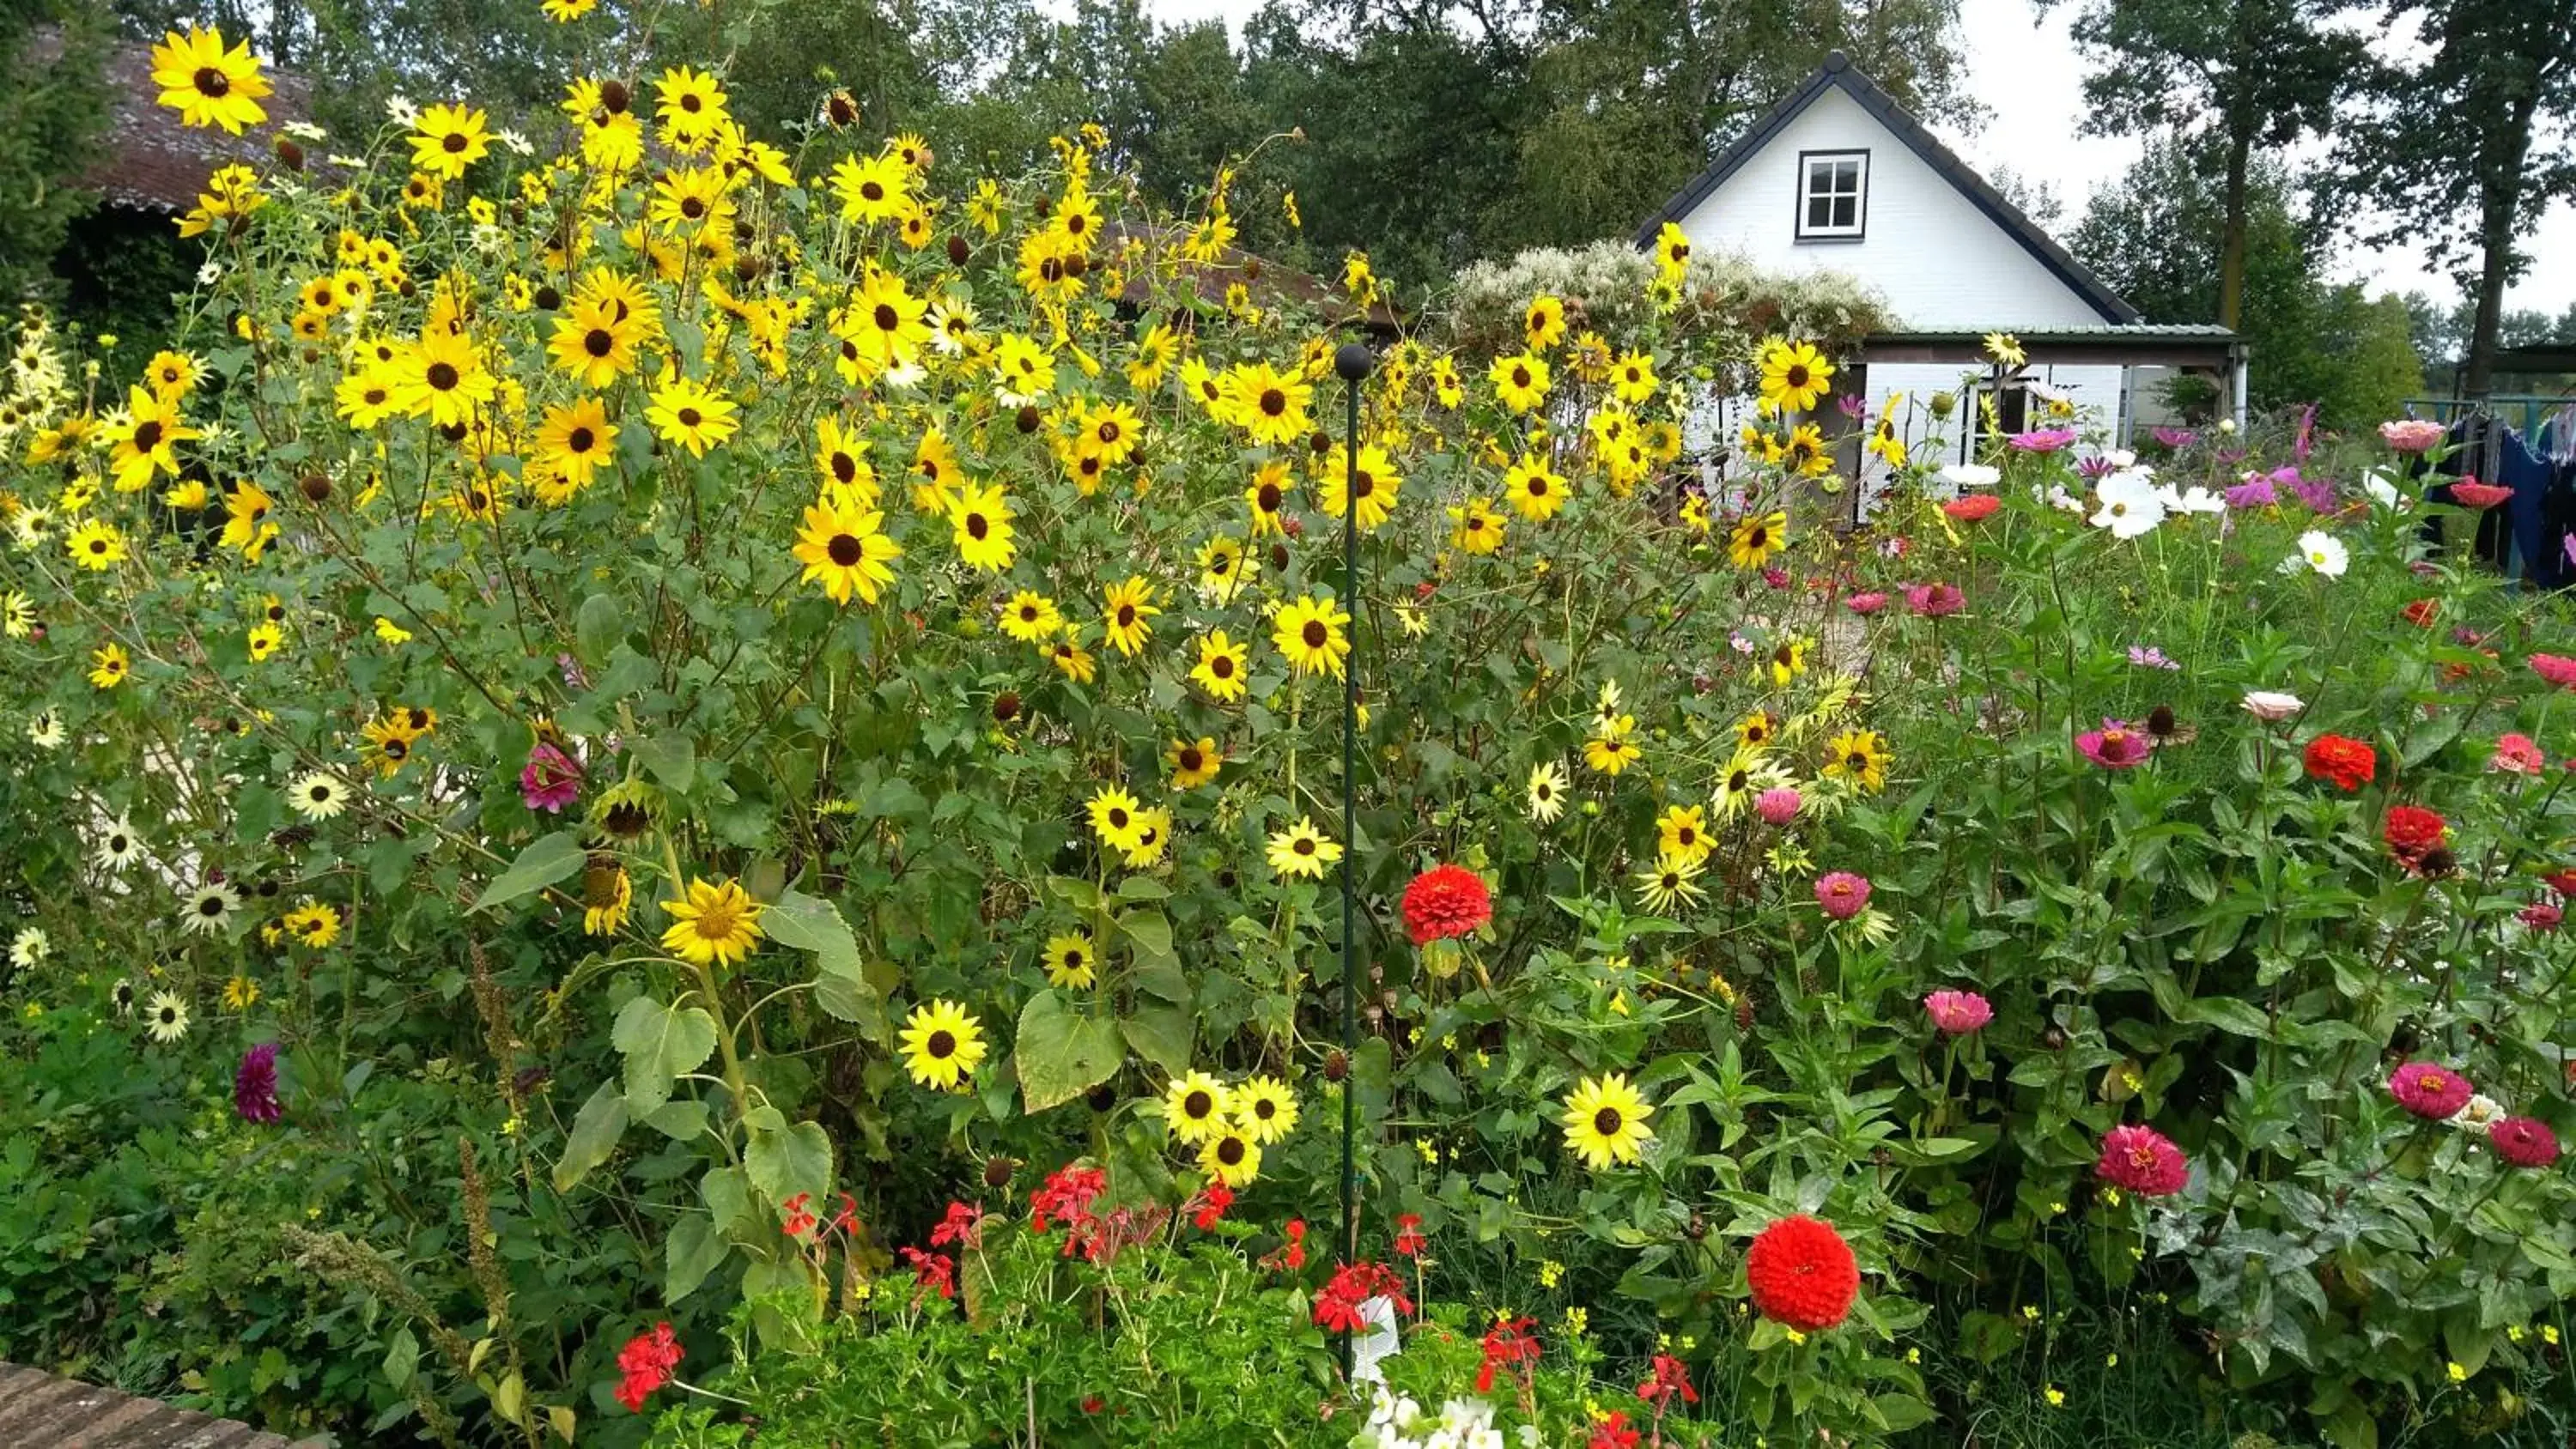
column 961, row 1224
column 1446, row 901
column 1507, row 1345
column 2523, row 1141
column 1802, row 1273
column 646, row 1362
column 2411, row 832
column 931, row 1273
column 1408, row 1235
column 1210, row 1206
column 2348, row 762
column 1337, row 1308
column 2429, row 1091
column 1669, row 1378
column 2143, row 1160
column 1613, row 1433
column 1972, row 507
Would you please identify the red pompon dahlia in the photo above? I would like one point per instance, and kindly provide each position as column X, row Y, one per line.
column 1446, row 901
column 2142, row 1160
column 2429, row 1091
column 2411, row 832
column 1802, row 1274
column 2348, row 762
column 2523, row 1141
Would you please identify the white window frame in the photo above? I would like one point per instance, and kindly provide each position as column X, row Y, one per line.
column 1811, row 165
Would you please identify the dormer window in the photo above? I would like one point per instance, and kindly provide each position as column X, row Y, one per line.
column 1833, row 195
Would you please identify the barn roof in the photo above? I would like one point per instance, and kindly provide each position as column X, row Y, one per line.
column 151, row 162
column 1838, row 73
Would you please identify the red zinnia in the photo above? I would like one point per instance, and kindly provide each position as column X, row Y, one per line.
column 2421, row 612
column 646, row 1361
column 2144, row 1161
column 2523, row 1141
column 2348, row 762
column 1972, row 507
column 2561, row 881
column 1802, row 1273
column 2429, row 1091
column 1446, row 901
column 2412, row 831
column 2479, row 495
column 2558, row 669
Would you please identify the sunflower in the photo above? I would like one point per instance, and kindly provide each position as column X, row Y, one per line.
column 1794, row 376
column 1223, row 569
column 1194, row 763
column 144, row 444
column 1672, row 251
column 1543, row 323
column 841, row 461
column 318, row 796
column 312, row 924
column 716, row 923
column 241, row 993
column 118, row 847
column 1681, row 832
column 1195, row 1107
column 1632, row 377
column 366, row 397
column 46, row 730
column 1113, row 817
column 1264, row 402
column 442, row 376
column 935, row 475
column 1153, row 358
column 1743, row 780
column 575, row 438
column 1671, row 885
column 1232, row 1157
column 1071, row 962
column 688, row 106
column 942, row 1045
column 1124, row 608
column 447, row 139
column 1610, row 750
column 1369, row 490
column 981, row 520
column 1605, row 1121
column 1265, row 1109
column 247, row 529
column 1755, row 537
column 166, row 1018
column 876, row 189
column 1024, row 371
column 692, row 415
column 1857, row 757
column 1268, row 497
column 1547, row 790
column 1153, row 837
column 1806, row 453
column 1475, row 527
column 1302, row 850
column 1309, row 632
column 846, row 548
column 389, row 742
column 208, row 84
column 595, row 342
column 1788, row 660
column 1534, row 492
column 1073, row 660
column 17, row 614
column 1520, row 381
column 1031, row 617
column 885, row 320
column 109, row 666
column 210, row 910
column 1222, row 667
column 690, row 200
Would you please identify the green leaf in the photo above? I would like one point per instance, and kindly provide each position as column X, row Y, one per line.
column 598, row 627
column 694, row 1249
column 1900, row 1412
column 595, row 1130
column 784, row 1164
column 2227, row 1014
column 1161, row 1035
column 806, row 923
column 681, row 1120
column 673, row 759
column 1061, row 1053
column 402, row 1358
column 1151, row 931
column 552, row 859
column 660, row 1042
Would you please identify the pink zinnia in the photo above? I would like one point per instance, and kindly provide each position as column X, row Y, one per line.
column 2041, row 440
column 2517, row 754
column 1867, row 602
column 2558, row 669
column 2115, row 746
column 1934, row 600
column 2429, row 1091
column 2541, row 916
column 2144, row 1161
column 1958, row 1013
column 2523, row 1141
column 2410, row 435
column 2479, row 495
column 1777, row 806
column 1842, row 894
column 551, row 780
column 1972, row 507
column 1777, row 578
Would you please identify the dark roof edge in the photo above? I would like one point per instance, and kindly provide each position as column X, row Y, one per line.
column 1839, row 71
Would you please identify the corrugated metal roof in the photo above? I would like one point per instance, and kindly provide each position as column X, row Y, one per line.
column 37, row 1408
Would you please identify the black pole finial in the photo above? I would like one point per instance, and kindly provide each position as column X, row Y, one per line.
column 1352, row 361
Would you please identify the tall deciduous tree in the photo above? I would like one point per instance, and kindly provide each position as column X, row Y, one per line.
column 53, row 108
column 2463, row 148
column 2244, row 77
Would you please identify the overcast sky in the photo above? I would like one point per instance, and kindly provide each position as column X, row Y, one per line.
column 2030, row 82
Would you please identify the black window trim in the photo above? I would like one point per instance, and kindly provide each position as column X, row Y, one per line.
column 1860, row 220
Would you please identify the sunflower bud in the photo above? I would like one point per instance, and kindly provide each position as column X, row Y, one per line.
column 547, row 298
column 958, row 251
column 998, row 1170
column 1697, row 1228
column 317, row 487
column 1076, row 265
column 1278, row 556
column 1336, row 1065
column 1028, row 419
column 2160, row 721
column 1944, row 404
column 1320, row 441
column 289, row 155
column 1101, row 1098
column 1006, row 707
column 1252, row 269
column 841, row 109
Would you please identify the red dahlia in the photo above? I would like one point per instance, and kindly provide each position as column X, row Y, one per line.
column 2348, row 762
column 1802, row 1274
column 1446, row 901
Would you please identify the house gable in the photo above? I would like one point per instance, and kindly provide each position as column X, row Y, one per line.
column 1944, row 247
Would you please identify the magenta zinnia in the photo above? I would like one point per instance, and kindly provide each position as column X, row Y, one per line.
column 551, row 779
column 1958, row 1013
column 2142, row 1160
column 255, row 1084
column 2429, row 1091
column 2115, row 746
column 1842, row 894
column 2523, row 1141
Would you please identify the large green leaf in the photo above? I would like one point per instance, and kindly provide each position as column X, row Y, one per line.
column 841, row 986
column 552, row 859
column 660, row 1043
column 1061, row 1053
column 695, row 1248
column 791, row 1161
column 595, row 1130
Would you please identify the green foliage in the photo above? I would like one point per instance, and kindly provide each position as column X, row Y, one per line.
column 51, row 121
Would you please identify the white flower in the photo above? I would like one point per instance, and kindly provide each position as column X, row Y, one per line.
column 1970, row 475
column 2227, row 425
column 209, row 910
column 1464, row 1414
column 2130, row 507
column 512, row 139
column 399, row 107
column 46, row 730
column 304, row 131
column 318, row 796
column 2383, row 491
column 29, row 948
column 345, row 162
column 167, row 1017
column 118, row 848
column 2058, row 498
column 210, row 273
column 2270, row 704
column 2320, row 551
column 2119, row 458
column 2194, row 499
column 2477, row 1114
column 1487, row 1437
column 489, row 239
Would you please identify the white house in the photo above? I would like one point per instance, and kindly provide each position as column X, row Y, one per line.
column 1840, row 177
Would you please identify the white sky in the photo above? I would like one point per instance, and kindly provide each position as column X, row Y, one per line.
column 2031, row 81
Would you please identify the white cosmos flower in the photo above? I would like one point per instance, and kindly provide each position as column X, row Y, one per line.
column 514, row 141
column 1970, row 475
column 2320, row 551
column 210, row 273
column 304, row 131
column 2271, row 704
column 2383, row 491
column 2129, row 505
column 2194, row 499
column 2058, row 498
column 2119, row 458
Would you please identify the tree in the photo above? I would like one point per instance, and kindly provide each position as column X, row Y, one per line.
column 54, row 111
column 2446, row 152
column 2244, row 77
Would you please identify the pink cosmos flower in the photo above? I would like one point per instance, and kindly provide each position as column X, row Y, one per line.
column 1958, row 1013
column 2173, row 437
column 2042, row 440
column 2115, row 746
column 2410, row 435
column 1932, row 601
column 2517, row 754
column 2429, row 1091
column 551, row 780
column 1842, row 894
column 1867, row 602
column 2256, row 491
column 2558, row 669
column 1777, row 806
column 2144, row 1161
column 2523, row 1141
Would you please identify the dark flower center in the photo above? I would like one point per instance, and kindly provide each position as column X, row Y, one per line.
column 1607, row 1121
column 1314, row 634
column 688, row 417
column 1222, row 666
column 579, row 440
column 845, row 550
column 844, row 467
column 1117, row 817
column 976, row 527
column 443, row 376
column 871, row 191
column 147, row 436
column 1796, row 376
column 942, row 1045
column 1269, row 497
column 1304, row 846
column 211, row 906
column 1273, row 402
column 598, row 342
column 1126, row 615
column 1520, row 377
column 887, row 318
column 212, row 83
column 1230, row 1151
column 452, row 142
column 1191, row 759
column 1197, row 1104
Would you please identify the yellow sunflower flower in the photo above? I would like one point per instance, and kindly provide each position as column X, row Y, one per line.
column 715, row 923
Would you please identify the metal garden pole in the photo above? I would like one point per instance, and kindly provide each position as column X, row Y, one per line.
column 1352, row 362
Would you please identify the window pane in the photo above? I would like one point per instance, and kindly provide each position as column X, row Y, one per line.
column 1820, row 211
column 1847, row 177
column 1846, row 212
